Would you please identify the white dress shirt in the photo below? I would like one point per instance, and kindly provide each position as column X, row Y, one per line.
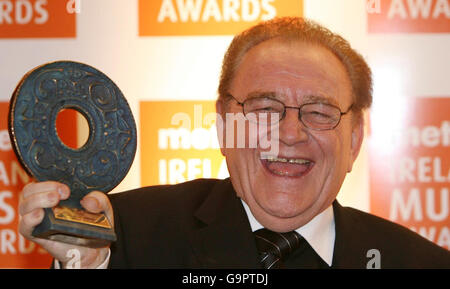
column 319, row 232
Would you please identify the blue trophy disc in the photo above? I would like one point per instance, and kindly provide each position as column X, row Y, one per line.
column 104, row 160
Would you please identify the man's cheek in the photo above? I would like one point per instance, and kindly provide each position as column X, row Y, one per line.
column 270, row 143
column 235, row 133
column 268, row 139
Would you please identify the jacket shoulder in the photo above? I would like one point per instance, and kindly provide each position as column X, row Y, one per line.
column 164, row 198
column 399, row 246
column 157, row 217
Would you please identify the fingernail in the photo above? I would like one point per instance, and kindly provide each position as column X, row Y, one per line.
column 62, row 191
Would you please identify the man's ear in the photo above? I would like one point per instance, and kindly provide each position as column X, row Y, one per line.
column 220, row 124
column 357, row 139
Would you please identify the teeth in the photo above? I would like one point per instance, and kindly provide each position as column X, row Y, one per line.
column 291, row 161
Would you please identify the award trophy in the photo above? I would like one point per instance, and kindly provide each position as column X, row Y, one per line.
column 100, row 164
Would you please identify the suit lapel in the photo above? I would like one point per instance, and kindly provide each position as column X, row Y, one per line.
column 349, row 248
column 226, row 239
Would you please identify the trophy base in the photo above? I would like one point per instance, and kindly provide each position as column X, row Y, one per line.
column 75, row 226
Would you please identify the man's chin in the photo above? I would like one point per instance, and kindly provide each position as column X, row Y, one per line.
column 284, row 207
column 284, row 220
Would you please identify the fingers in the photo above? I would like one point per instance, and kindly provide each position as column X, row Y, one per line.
column 97, row 202
column 29, row 221
column 42, row 195
column 49, row 186
column 38, row 201
column 35, row 197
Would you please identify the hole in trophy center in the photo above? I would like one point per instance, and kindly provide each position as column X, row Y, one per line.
column 72, row 128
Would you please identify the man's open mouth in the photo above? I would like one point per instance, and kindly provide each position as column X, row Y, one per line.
column 287, row 167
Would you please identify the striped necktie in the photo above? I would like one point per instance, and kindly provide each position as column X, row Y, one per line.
column 274, row 248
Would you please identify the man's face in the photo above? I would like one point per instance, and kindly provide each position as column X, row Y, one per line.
column 284, row 195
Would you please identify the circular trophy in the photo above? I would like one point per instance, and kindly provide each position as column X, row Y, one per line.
column 99, row 165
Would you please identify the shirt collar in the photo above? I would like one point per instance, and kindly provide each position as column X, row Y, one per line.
column 319, row 232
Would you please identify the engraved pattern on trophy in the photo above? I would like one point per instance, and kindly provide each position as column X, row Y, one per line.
column 99, row 165
column 107, row 155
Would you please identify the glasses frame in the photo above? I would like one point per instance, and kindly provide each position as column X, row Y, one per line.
column 341, row 113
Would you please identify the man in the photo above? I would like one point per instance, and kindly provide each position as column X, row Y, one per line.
column 313, row 88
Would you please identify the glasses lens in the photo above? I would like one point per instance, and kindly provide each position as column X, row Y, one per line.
column 263, row 110
column 320, row 115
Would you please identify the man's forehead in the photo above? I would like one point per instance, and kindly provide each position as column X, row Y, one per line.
column 309, row 72
column 294, row 66
column 292, row 53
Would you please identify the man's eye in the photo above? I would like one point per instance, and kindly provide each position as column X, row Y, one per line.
column 318, row 114
column 267, row 108
column 318, row 117
column 263, row 109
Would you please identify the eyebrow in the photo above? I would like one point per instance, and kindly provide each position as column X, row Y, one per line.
column 320, row 99
column 268, row 94
column 306, row 99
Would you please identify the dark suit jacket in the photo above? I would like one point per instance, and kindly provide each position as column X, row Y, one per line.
column 202, row 224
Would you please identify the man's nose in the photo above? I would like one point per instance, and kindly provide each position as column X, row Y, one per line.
column 292, row 130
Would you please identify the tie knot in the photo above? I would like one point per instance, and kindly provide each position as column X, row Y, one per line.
column 278, row 244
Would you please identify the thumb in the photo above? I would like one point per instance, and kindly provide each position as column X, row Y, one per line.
column 97, row 202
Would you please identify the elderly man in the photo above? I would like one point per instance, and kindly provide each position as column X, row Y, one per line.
column 277, row 210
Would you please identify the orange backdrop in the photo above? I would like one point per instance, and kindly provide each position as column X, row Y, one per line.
column 410, row 167
column 16, row 251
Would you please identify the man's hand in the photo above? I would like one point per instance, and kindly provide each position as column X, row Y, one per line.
column 36, row 196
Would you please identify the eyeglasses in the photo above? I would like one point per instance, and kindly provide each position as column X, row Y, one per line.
column 316, row 116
